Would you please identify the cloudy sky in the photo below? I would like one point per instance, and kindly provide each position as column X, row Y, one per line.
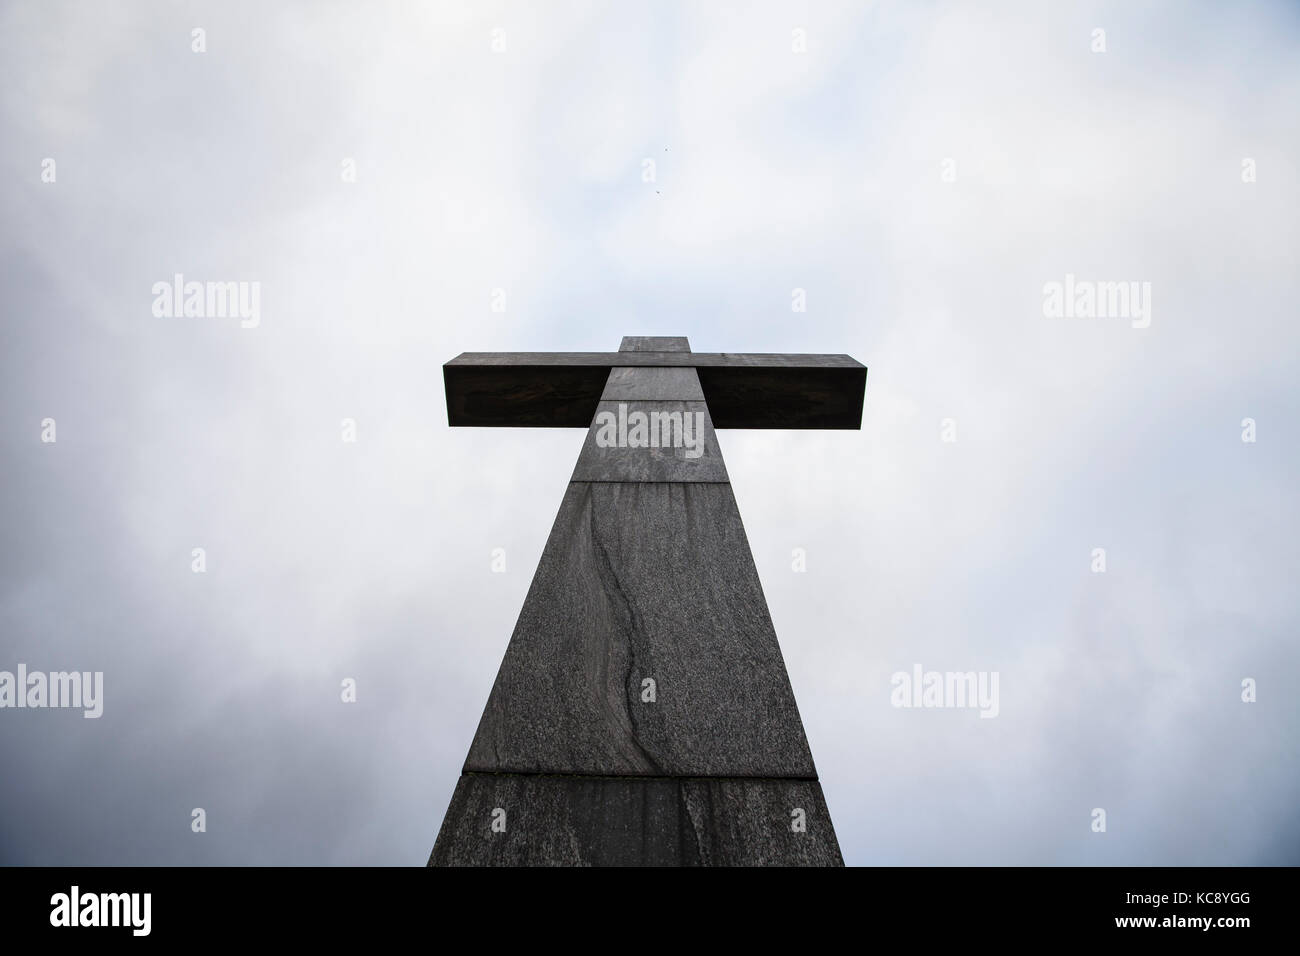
column 920, row 171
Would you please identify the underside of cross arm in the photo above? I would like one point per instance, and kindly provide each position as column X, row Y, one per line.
column 562, row 389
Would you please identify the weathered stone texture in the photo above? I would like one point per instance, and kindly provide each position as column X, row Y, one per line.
column 644, row 580
column 612, row 821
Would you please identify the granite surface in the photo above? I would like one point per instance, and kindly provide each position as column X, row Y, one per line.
column 652, row 384
column 620, row 821
column 644, row 581
column 814, row 397
column 506, row 396
column 654, row 343
column 596, row 463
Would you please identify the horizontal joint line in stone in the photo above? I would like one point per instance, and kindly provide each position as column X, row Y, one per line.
column 634, row 776
column 658, row 481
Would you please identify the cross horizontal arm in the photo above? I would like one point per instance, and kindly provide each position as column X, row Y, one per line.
column 608, row 360
column 562, row 389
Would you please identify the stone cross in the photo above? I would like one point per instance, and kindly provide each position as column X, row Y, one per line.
column 642, row 713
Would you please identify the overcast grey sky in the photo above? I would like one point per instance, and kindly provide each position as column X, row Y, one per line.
column 919, row 170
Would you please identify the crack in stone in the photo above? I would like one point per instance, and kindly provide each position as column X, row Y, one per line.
column 605, row 568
